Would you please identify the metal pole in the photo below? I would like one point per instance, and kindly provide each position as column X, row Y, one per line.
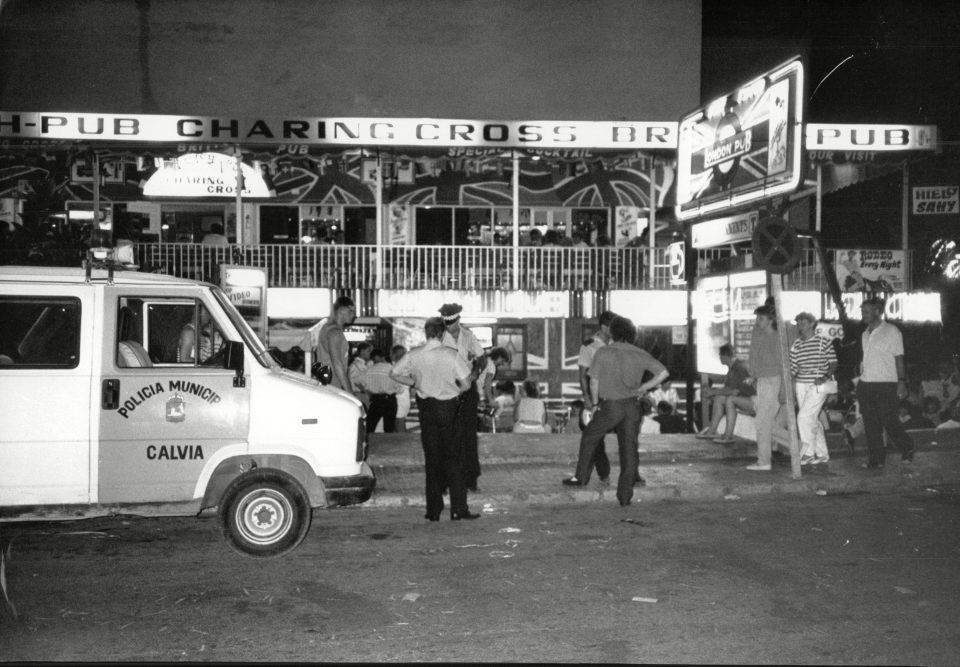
column 905, row 207
column 98, row 233
column 516, row 221
column 239, row 200
column 652, row 220
column 378, row 195
column 819, row 211
column 776, row 289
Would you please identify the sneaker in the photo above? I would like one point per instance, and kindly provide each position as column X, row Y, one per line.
column 759, row 466
column 572, row 481
column 807, row 460
column 819, row 460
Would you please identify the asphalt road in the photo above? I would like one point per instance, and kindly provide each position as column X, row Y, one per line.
column 859, row 578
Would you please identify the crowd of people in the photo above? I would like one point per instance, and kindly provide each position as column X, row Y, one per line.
column 627, row 392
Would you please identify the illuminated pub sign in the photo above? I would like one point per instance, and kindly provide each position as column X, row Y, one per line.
column 743, row 146
column 419, row 132
column 204, row 175
column 721, row 146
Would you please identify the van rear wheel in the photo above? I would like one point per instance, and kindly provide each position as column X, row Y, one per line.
column 265, row 513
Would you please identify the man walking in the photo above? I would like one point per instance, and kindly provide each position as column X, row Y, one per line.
column 883, row 382
column 587, row 352
column 439, row 376
column 616, row 386
column 463, row 341
column 332, row 346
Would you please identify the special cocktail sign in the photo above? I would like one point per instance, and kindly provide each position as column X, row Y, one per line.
column 743, row 146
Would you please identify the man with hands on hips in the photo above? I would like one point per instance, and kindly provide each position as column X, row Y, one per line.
column 616, row 387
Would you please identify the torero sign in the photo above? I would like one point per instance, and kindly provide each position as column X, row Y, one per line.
column 421, row 132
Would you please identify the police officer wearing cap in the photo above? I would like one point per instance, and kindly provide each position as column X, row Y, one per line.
column 471, row 351
column 439, row 376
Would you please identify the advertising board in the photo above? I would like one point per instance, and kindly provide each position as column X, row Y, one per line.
column 744, row 146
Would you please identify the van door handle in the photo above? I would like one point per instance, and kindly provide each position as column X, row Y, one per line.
column 110, row 398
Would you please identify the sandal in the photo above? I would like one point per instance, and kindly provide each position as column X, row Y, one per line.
column 706, row 435
column 724, row 441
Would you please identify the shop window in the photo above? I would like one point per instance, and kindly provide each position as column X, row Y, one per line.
column 434, row 226
column 279, row 224
column 590, row 223
column 360, row 225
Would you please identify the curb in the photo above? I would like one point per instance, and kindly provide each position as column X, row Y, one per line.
column 848, row 480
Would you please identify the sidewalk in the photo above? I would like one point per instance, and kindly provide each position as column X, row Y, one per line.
column 529, row 469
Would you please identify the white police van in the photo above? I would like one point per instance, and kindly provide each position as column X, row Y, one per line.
column 106, row 407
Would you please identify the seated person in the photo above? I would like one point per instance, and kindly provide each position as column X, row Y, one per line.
column 190, row 349
column 503, row 404
column 931, row 410
column 735, row 394
column 911, row 418
column 950, row 420
column 648, row 425
column 530, row 412
column 669, row 422
column 665, row 392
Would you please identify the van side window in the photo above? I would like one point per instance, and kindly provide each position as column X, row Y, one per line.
column 183, row 333
column 39, row 332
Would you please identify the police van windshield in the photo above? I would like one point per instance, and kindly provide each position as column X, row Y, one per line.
column 248, row 334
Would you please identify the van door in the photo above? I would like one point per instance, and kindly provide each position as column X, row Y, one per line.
column 167, row 405
column 46, row 345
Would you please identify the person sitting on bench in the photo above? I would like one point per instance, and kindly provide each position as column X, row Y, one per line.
column 735, row 394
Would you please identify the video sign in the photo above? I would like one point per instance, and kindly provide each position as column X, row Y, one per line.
column 743, row 146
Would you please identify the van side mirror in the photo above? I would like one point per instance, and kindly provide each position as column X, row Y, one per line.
column 233, row 360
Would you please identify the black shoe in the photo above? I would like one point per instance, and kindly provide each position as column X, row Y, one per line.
column 572, row 481
column 457, row 516
column 431, row 517
column 907, row 458
column 473, row 488
column 639, row 481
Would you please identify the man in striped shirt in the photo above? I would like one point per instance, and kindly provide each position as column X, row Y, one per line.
column 812, row 362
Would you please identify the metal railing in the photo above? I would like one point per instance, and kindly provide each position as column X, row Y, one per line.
column 420, row 267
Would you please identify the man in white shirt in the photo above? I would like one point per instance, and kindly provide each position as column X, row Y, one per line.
column 883, row 383
column 439, row 375
column 471, row 351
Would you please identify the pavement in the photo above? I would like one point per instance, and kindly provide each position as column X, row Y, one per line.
column 529, row 468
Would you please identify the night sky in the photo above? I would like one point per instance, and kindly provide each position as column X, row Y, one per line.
column 905, row 65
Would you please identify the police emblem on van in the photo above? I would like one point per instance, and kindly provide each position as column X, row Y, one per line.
column 176, row 408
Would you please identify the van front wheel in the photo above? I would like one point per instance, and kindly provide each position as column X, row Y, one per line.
column 265, row 513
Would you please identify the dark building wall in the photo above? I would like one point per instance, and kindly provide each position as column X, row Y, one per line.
column 490, row 59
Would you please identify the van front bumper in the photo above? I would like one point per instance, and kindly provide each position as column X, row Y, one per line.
column 350, row 490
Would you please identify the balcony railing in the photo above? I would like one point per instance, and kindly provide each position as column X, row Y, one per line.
column 419, row 267
column 458, row 267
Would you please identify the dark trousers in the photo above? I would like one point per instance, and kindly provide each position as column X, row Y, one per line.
column 382, row 406
column 442, row 454
column 622, row 416
column 467, row 426
column 600, row 459
column 878, row 407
